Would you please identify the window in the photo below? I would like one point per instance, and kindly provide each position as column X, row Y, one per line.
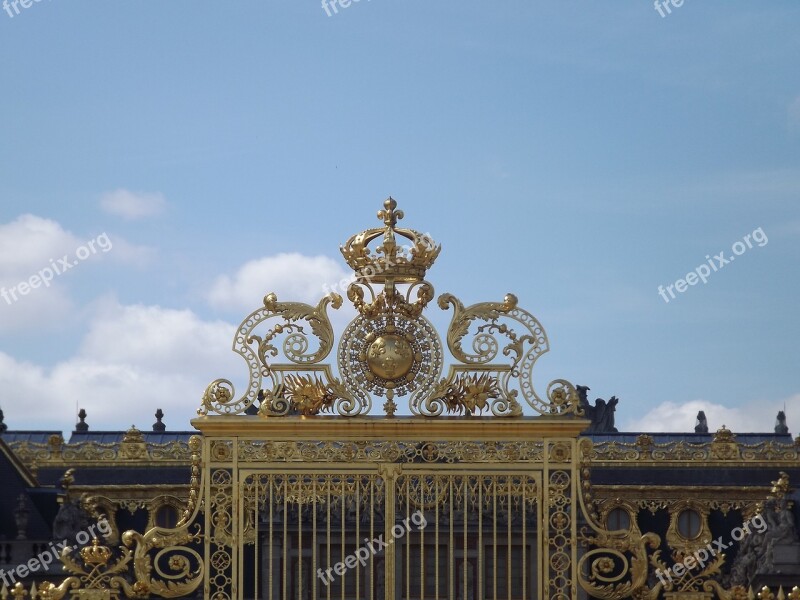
column 619, row 518
column 166, row 516
column 689, row 524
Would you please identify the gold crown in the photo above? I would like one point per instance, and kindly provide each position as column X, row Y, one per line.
column 390, row 261
column 95, row 554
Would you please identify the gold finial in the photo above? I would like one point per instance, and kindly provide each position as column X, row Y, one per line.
column 133, row 436
column 390, row 406
column 389, row 215
column 724, row 435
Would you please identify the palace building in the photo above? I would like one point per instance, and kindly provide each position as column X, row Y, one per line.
column 395, row 461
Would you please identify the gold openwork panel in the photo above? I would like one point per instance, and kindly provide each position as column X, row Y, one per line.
column 385, row 532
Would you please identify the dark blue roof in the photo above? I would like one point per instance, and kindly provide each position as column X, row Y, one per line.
column 166, row 437
column 34, row 437
column 114, row 437
column 152, row 474
column 738, row 474
column 749, row 439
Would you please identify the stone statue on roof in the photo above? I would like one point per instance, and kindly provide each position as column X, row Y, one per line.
column 702, row 423
column 601, row 414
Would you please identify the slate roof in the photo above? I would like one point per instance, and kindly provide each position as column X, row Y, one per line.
column 627, row 437
column 115, row 437
column 34, row 437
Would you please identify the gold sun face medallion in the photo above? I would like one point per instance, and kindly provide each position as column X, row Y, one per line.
column 390, row 357
column 390, row 353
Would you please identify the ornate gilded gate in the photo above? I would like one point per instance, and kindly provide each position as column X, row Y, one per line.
column 305, row 505
column 464, row 516
column 299, row 492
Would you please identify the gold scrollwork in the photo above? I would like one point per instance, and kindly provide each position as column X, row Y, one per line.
column 522, row 350
column 616, row 565
column 98, row 572
column 390, row 349
column 219, row 395
column 391, row 300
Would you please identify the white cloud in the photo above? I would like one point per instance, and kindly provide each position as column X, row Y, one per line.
column 137, row 358
column 35, row 247
column 758, row 416
column 159, row 339
column 41, row 308
column 132, row 205
column 133, row 360
column 293, row 277
column 29, row 243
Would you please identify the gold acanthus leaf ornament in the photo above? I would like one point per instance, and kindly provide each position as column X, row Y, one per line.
column 472, row 393
column 308, row 395
column 296, row 345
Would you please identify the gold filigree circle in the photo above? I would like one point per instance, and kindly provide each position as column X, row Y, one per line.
column 390, row 352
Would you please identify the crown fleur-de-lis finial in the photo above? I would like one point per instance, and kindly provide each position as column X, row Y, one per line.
column 389, row 215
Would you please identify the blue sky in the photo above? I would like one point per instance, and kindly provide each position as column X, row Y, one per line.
column 577, row 154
